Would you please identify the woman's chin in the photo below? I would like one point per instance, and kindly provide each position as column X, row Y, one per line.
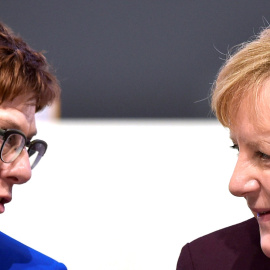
column 265, row 245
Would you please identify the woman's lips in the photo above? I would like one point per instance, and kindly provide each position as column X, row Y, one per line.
column 2, row 208
column 263, row 215
column 3, row 201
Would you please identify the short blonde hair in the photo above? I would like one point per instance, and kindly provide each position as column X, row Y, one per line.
column 242, row 75
column 24, row 71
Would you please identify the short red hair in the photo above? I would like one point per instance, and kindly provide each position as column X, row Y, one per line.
column 24, row 71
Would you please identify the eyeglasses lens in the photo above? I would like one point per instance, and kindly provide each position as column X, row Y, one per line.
column 35, row 152
column 12, row 147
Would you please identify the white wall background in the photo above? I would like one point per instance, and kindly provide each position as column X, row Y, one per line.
column 125, row 195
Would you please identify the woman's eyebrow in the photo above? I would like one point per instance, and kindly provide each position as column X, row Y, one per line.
column 13, row 125
column 9, row 124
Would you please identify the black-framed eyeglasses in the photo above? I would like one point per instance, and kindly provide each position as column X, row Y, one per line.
column 12, row 142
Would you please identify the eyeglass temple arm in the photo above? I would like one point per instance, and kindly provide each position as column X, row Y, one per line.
column 2, row 132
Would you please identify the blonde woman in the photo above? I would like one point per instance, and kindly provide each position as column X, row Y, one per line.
column 241, row 102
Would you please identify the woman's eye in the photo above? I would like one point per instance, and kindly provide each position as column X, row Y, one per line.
column 235, row 146
column 263, row 156
column 10, row 140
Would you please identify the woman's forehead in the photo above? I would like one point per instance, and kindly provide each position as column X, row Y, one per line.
column 255, row 107
column 19, row 112
column 20, row 102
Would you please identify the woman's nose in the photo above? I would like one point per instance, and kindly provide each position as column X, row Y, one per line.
column 245, row 178
column 19, row 171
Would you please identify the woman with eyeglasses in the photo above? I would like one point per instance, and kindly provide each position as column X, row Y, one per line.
column 26, row 86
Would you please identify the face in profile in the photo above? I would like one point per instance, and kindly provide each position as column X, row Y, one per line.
column 20, row 115
column 250, row 134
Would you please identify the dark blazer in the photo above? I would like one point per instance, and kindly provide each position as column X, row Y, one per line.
column 17, row 256
column 236, row 247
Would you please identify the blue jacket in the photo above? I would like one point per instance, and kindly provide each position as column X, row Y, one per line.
column 17, row 256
